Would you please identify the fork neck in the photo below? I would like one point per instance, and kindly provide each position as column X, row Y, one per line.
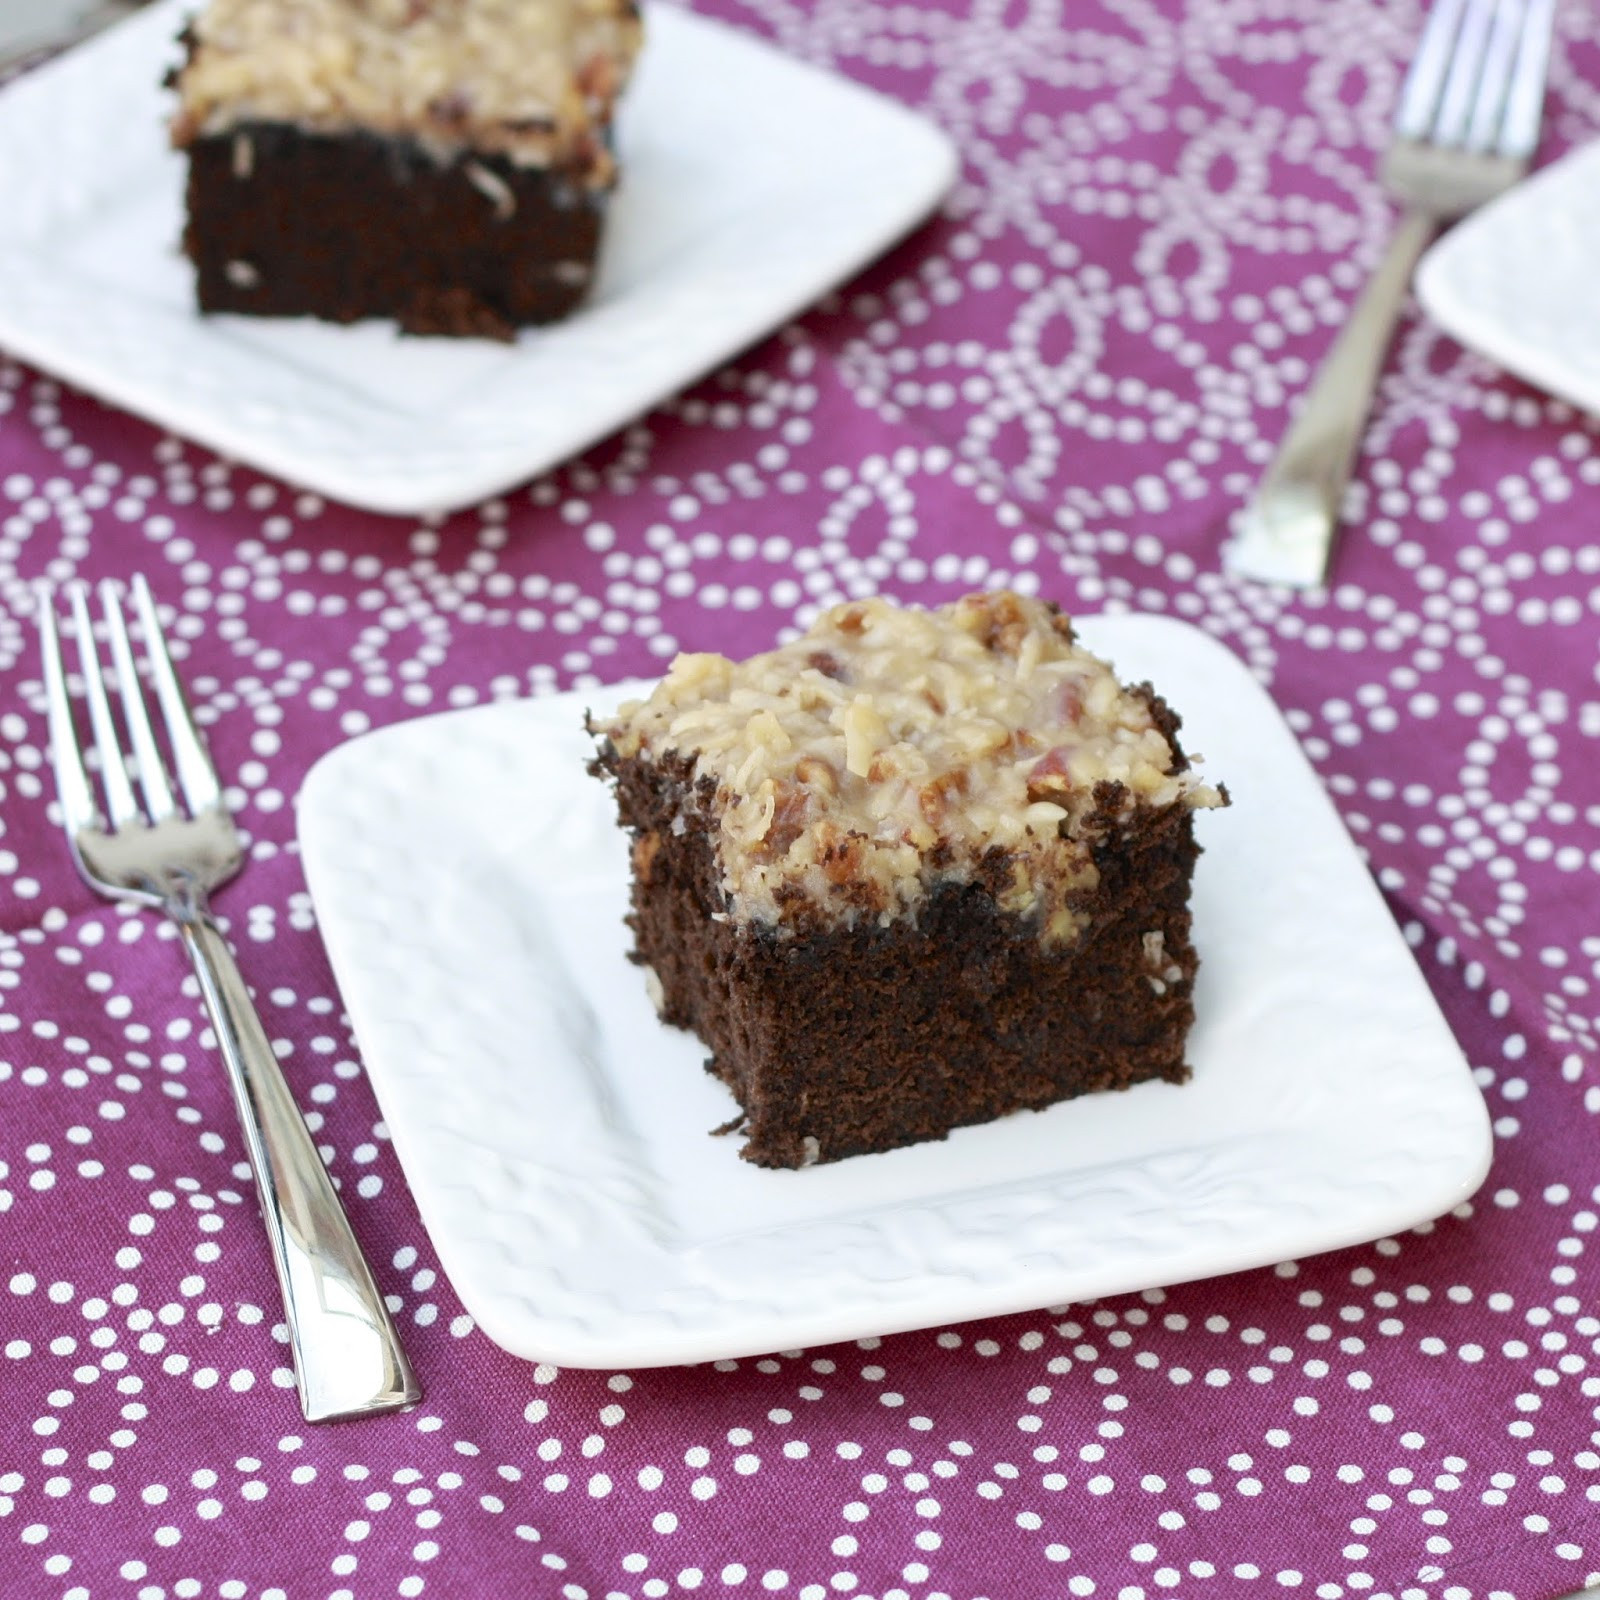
column 183, row 898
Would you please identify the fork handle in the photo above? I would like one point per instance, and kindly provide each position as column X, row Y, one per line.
column 347, row 1356
column 1286, row 533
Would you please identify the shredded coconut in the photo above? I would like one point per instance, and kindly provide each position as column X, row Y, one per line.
column 533, row 80
column 888, row 750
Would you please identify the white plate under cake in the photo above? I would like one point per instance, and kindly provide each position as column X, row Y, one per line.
column 470, row 882
column 752, row 183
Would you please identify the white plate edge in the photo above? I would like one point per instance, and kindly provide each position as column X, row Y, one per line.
column 1442, row 279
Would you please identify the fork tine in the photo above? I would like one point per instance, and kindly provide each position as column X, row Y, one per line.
column 121, row 807
column 146, row 758
column 1419, row 99
column 1519, row 132
column 197, row 777
column 72, row 778
column 1466, row 68
column 1494, row 83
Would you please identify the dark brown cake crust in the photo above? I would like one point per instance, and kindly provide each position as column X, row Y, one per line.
column 838, row 1043
column 282, row 222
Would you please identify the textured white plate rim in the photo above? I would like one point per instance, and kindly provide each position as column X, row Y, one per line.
column 640, row 341
column 555, row 1222
column 1514, row 280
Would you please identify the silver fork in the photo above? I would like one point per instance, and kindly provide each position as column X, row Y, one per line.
column 347, row 1357
column 1467, row 128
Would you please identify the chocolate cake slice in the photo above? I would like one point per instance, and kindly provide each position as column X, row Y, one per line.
column 442, row 163
column 914, row 870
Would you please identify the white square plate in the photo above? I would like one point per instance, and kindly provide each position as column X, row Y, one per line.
column 752, row 184
column 1515, row 281
column 471, row 882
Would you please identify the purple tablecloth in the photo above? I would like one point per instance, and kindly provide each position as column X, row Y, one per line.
column 1066, row 382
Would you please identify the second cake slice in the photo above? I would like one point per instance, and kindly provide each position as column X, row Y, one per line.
column 443, row 163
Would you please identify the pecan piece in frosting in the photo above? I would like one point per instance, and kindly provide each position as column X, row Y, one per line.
column 815, row 773
column 841, row 854
column 934, row 798
column 1050, row 778
column 1004, row 624
column 789, row 817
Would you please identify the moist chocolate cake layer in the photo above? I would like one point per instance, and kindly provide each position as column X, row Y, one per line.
column 282, row 222
column 842, row 1041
